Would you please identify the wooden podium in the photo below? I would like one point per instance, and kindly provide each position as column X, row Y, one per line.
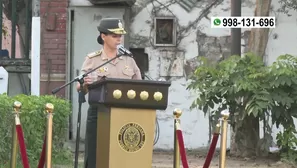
column 126, row 120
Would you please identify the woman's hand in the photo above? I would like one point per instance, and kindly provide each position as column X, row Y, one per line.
column 88, row 80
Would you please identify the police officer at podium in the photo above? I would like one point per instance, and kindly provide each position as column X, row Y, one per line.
column 110, row 35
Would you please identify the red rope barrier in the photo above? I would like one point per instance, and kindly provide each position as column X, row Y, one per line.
column 42, row 155
column 211, row 150
column 21, row 140
column 20, row 136
column 181, row 144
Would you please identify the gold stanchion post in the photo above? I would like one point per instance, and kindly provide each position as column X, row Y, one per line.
column 14, row 145
column 225, row 115
column 217, row 128
column 49, row 109
column 176, row 160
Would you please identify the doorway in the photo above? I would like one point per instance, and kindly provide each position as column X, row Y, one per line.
column 82, row 39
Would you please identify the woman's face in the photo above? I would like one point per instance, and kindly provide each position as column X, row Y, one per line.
column 112, row 40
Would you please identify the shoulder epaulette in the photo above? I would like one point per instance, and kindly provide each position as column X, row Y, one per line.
column 95, row 54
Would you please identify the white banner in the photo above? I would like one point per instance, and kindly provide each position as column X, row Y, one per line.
column 242, row 22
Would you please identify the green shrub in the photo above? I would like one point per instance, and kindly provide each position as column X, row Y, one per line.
column 33, row 120
column 246, row 86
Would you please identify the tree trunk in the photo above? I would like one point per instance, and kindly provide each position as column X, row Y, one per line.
column 245, row 141
column 246, row 137
column 259, row 37
column 21, row 20
column 22, row 35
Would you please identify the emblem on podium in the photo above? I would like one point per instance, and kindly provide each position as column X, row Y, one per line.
column 131, row 137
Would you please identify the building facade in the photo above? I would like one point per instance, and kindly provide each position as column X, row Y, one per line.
column 166, row 37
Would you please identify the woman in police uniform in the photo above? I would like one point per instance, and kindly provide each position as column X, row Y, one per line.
column 111, row 31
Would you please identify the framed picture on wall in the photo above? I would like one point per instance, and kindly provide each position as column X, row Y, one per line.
column 165, row 31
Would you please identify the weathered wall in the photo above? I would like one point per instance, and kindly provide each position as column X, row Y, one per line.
column 195, row 37
column 53, row 14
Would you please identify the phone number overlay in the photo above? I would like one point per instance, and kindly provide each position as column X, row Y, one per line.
column 243, row 22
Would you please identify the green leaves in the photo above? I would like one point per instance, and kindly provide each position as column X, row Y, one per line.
column 33, row 120
column 287, row 142
column 233, row 79
column 259, row 102
column 246, row 86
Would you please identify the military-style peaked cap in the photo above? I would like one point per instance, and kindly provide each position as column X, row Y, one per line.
column 111, row 26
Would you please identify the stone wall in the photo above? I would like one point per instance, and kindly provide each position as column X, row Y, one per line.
column 195, row 37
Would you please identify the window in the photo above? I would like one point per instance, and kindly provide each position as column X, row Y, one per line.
column 165, row 31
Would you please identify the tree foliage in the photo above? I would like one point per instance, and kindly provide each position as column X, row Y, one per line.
column 245, row 86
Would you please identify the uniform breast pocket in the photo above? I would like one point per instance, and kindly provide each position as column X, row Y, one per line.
column 127, row 73
column 102, row 74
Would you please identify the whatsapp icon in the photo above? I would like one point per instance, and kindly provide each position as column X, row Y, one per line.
column 217, row 22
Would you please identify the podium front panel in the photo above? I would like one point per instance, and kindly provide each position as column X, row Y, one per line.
column 125, row 138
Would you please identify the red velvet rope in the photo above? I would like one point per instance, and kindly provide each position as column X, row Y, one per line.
column 211, row 150
column 42, row 155
column 24, row 156
column 182, row 150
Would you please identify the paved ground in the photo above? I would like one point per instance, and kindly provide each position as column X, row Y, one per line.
column 196, row 160
column 163, row 160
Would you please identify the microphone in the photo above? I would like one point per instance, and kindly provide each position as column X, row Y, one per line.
column 122, row 50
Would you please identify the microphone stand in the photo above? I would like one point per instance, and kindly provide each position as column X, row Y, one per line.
column 81, row 100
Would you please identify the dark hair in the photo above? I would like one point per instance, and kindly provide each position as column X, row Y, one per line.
column 99, row 39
